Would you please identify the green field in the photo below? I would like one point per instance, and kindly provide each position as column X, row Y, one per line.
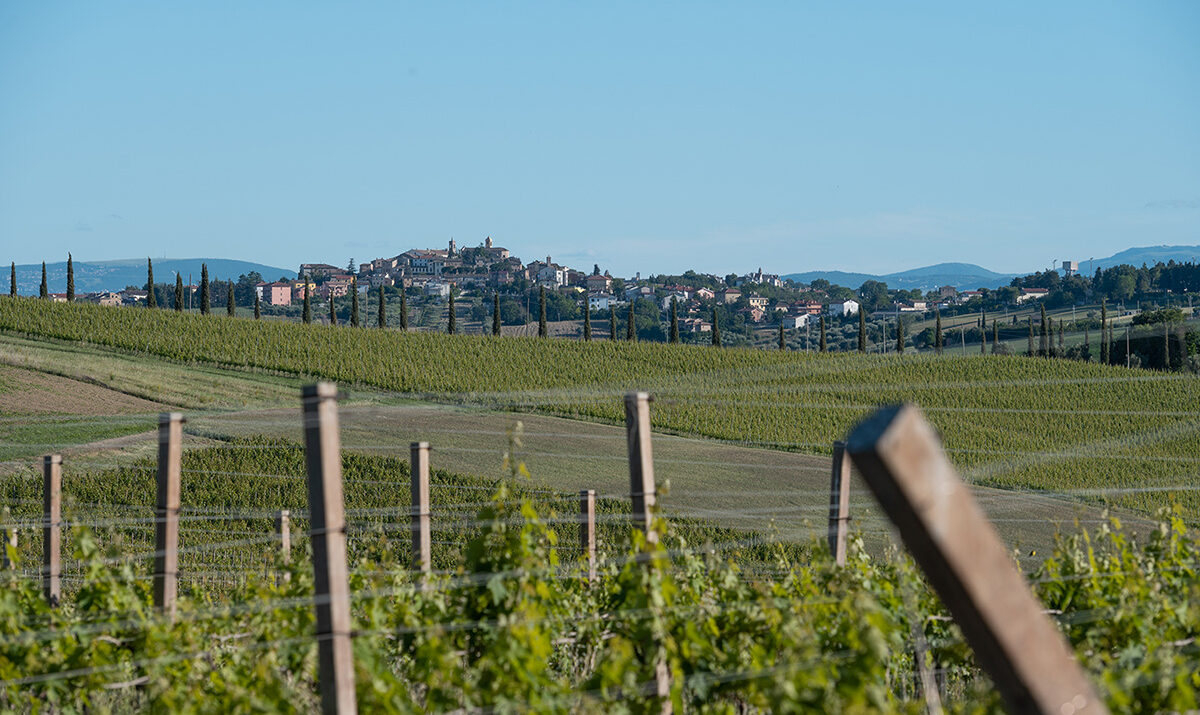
column 1008, row 422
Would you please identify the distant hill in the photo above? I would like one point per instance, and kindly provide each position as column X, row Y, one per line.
column 968, row 276
column 965, row 276
column 95, row 276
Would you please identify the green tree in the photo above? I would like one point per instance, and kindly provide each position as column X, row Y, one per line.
column 70, row 279
column 451, row 322
column 862, row 330
column 612, row 322
column 151, row 301
column 381, row 319
column 900, row 335
column 1029, row 352
column 1062, row 346
column 982, row 333
column 822, row 345
column 995, row 337
column 587, row 322
column 206, row 294
column 782, row 337
column 12, row 280
column 307, row 314
column 675, row 322
column 716, row 328
column 44, row 290
column 1043, row 344
column 1104, row 344
column 354, row 302
column 403, row 309
column 938, row 341
column 332, row 309
column 1166, row 364
column 257, row 307
column 230, row 308
column 179, row 293
column 543, row 330
column 495, row 314
column 631, row 324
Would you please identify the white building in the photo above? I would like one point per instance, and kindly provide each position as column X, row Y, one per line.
column 438, row 288
column 792, row 322
column 601, row 301
column 845, row 307
column 666, row 301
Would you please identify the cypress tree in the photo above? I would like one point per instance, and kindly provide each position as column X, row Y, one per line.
column 995, row 336
column 822, row 344
column 307, row 315
column 587, row 322
column 403, row 309
column 257, row 307
column 12, row 280
column 630, row 327
column 716, row 329
column 782, row 337
column 675, row 323
column 332, row 310
column 612, row 322
column 179, row 293
column 206, row 295
column 451, row 322
column 983, row 340
column 230, row 308
column 151, row 301
column 1050, row 339
column 900, row 336
column 70, row 279
column 354, row 303
column 1166, row 347
column 938, row 341
column 1030, row 351
column 1062, row 345
column 862, row 330
column 495, row 314
column 381, row 319
column 543, row 331
column 1104, row 346
column 43, row 292
column 1043, row 345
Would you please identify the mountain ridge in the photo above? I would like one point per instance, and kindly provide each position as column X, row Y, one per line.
column 115, row 275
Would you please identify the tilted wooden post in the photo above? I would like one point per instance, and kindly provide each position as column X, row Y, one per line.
column 166, row 512
column 644, row 496
column 52, row 528
column 947, row 533
column 422, row 550
column 839, row 503
column 327, row 520
column 587, row 529
column 283, row 529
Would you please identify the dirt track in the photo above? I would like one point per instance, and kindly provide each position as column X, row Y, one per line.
column 27, row 392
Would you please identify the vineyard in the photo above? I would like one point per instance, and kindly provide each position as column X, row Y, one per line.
column 727, row 613
column 1007, row 421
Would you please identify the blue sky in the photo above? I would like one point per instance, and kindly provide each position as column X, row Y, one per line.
column 640, row 136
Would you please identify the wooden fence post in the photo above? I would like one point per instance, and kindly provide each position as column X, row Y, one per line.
column 327, row 520
column 587, row 529
column 641, row 462
column 644, row 497
column 422, row 550
column 52, row 528
column 947, row 533
column 283, row 529
column 839, row 503
column 10, row 542
column 166, row 512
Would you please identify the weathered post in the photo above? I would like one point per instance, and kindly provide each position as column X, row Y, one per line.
column 166, row 512
column 643, row 494
column 1030, row 662
column 52, row 528
column 641, row 462
column 283, row 529
column 10, row 542
column 587, row 529
column 327, row 519
column 839, row 503
column 422, row 551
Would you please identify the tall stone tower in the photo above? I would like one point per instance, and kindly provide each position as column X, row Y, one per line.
column 453, row 248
